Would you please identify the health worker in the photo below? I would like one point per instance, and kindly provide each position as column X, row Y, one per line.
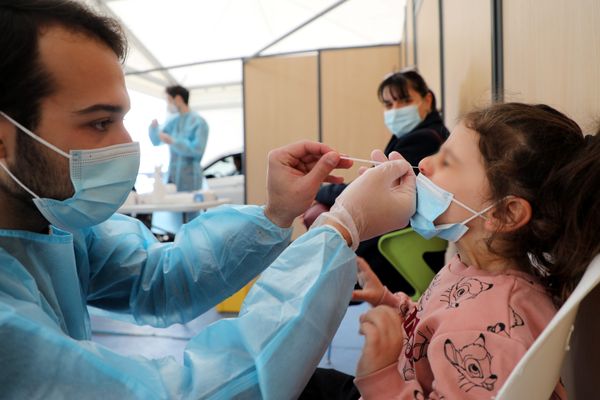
column 67, row 164
column 186, row 134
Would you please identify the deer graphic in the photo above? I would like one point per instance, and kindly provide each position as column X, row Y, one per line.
column 465, row 289
column 473, row 363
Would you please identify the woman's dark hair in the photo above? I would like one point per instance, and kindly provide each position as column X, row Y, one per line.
column 178, row 91
column 399, row 82
column 539, row 154
column 24, row 81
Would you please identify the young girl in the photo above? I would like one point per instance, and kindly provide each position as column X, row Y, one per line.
column 516, row 187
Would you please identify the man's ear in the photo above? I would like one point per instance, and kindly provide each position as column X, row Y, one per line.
column 517, row 213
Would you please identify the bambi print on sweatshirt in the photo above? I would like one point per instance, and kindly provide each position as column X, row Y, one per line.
column 514, row 321
column 464, row 289
column 473, row 363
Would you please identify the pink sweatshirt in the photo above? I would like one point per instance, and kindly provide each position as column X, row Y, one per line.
column 464, row 336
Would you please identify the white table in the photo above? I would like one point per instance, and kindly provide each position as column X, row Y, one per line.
column 173, row 207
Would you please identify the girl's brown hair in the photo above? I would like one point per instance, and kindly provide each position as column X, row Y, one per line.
column 539, row 154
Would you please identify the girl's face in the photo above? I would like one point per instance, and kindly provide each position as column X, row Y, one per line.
column 390, row 100
column 458, row 168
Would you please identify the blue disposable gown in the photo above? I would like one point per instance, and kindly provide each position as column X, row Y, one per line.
column 269, row 351
column 189, row 132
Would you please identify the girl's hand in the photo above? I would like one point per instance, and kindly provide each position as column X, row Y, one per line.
column 382, row 328
column 372, row 289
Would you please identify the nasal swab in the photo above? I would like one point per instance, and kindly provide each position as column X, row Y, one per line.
column 361, row 160
column 365, row 161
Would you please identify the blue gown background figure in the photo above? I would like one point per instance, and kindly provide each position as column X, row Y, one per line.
column 186, row 133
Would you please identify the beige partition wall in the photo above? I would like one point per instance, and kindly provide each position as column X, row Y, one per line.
column 552, row 55
column 280, row 107
column 402, row 53
column 428, row 46
column 409, row 39
column 467, row 57
column 352, row 116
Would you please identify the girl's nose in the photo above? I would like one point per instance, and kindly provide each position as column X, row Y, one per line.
column 425, row 166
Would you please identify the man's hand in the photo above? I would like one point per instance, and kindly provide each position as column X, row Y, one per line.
column 154, row 124
column 165, row 138
column 382, row 328
column 372, row 289
column 381, row 199
column 294, row 175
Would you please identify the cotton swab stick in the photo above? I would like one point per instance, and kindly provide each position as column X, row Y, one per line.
column 365, row 161
column 361, row 160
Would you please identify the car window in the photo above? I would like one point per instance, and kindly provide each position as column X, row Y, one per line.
column 226, row 166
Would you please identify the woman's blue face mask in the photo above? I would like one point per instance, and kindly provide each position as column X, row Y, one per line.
column 433, row 201
column 401, row 121
column 102, row 179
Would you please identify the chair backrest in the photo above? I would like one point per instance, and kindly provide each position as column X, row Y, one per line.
column 404, row 249
column 537, row 373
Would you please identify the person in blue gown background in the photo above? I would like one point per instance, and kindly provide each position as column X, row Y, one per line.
column 186, row 134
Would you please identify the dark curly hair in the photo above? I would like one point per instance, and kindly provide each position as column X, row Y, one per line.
column 24, row 81
column 539, row 154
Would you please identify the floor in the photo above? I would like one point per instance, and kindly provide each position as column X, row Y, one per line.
column 128, row 339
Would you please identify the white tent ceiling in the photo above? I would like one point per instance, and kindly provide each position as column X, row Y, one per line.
column 201, row 44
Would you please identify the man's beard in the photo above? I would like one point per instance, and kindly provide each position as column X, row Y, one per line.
column 40, row 169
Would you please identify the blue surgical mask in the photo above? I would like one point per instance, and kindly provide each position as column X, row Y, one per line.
column 433, row 201
column 401, row 121
column 102, row 179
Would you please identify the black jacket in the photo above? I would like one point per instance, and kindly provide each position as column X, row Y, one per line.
column 419, row 143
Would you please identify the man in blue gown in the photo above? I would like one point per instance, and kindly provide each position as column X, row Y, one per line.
column 186, row 133
column 67, row 164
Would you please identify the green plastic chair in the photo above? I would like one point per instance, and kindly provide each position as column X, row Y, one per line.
column 404, row 249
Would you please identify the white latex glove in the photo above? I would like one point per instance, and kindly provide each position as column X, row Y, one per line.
column 381, row 200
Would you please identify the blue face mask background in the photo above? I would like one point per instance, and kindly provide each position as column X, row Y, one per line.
column 102, row 179
column 433, row 201
column 401, row 121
